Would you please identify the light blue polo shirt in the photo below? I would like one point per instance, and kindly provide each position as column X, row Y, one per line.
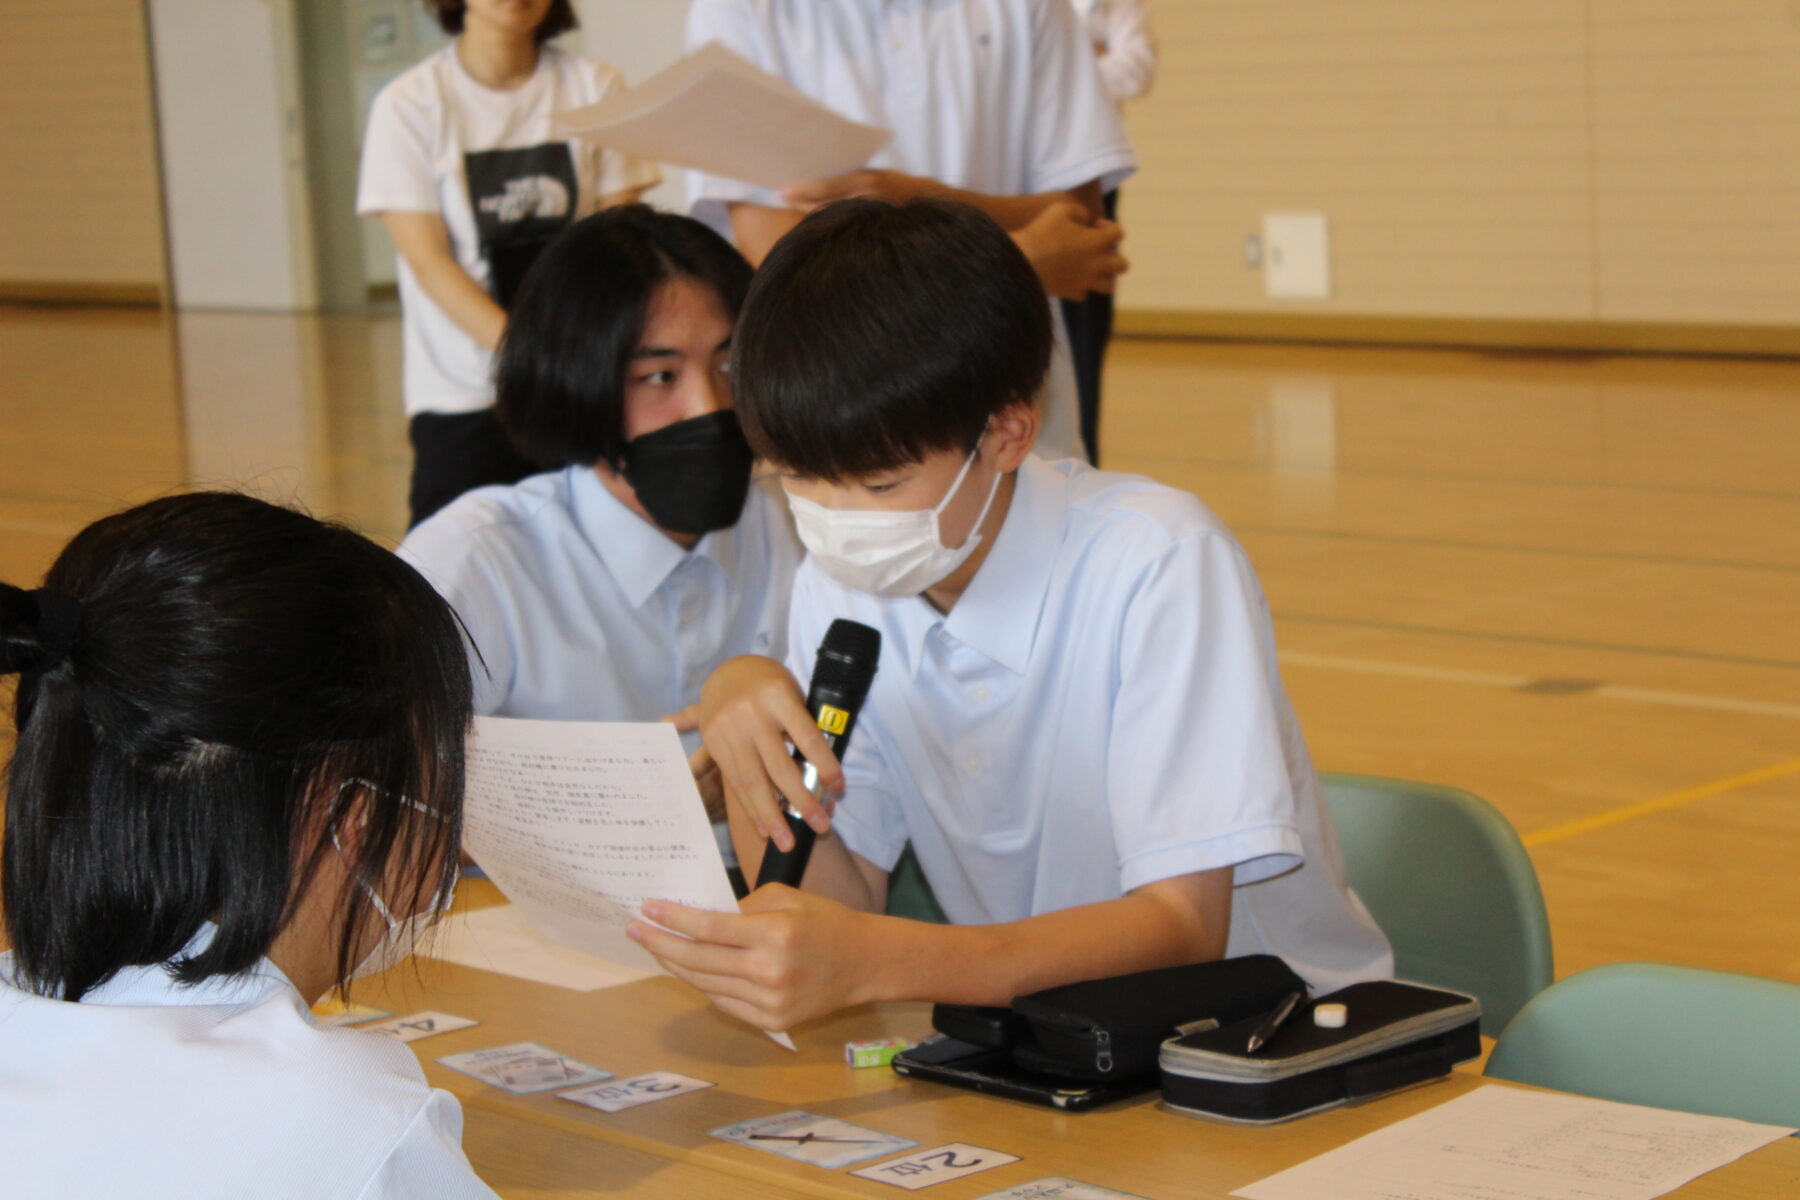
column 1100, row 710
column 581, row 610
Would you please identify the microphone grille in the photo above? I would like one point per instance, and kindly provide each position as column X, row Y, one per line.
column 848, row 655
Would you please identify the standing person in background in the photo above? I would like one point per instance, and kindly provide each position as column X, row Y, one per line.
column 459, row 164
column 1122, row 38
column 993, row 103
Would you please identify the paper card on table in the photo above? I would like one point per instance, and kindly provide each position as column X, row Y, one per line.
column 1058, row 1188
column 810, row 1138
column 500, row 939
column 420, row 1025
column 1523, row 1145
column 929, row 1167
column 718, row 112
column 620, row 1094
column 524, row 1067
column 335, row 1010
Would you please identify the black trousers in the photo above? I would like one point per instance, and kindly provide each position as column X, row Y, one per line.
column 1090, row 323
column 457, row 452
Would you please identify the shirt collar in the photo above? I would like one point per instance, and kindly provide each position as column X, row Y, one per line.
column 998, row 614
column 640, row 556
column 155, row 986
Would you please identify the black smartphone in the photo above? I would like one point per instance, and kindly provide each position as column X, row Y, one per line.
column 943, row 1059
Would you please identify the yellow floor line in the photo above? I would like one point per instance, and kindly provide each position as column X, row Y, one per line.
column 1557, row 833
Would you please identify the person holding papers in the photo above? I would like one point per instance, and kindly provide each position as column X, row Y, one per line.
column 237, row 784
column 997, row 103
column 610, row 586
column 460, row 164
column 1077, row 721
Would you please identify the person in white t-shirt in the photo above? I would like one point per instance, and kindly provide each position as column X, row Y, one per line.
column 610, row 587
column 237, row 784
column 1120, row 33
column 460, row 165
column 996, row 103
column 1077, row 720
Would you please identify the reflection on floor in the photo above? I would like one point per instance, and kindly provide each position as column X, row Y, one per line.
column 1569, row 584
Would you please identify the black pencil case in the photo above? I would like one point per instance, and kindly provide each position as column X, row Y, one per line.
column 1109, row 1029
column 1396, row 1034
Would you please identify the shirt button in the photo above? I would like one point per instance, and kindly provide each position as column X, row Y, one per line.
column 973, row 762
column 979, row 691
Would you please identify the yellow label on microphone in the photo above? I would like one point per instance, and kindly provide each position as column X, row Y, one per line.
column 833, row 720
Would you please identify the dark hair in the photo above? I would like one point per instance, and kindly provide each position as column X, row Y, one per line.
column 559, row 382
column 875, row 334
column 210, row 688
column 558, row 21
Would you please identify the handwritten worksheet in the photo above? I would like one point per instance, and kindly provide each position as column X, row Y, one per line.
column 1506, row 1143
column 580, row 822
column 717, row 112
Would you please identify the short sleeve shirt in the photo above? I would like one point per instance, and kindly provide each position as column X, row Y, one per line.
column 995, row 96
column 1099, row 711
column 581, row 610
column 441, row 142
column 223, row 1089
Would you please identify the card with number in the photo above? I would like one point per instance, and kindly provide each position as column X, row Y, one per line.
column 1058, row 1188
column 620, row 1094
column 524, row 1067
column 929, row 1167
column 810, row 1138
column 420, row 1025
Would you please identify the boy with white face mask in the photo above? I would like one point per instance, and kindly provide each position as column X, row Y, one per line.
column 1077, row 721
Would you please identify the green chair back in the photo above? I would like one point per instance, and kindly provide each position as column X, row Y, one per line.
column 1673, row 1037
column 908, row 893
column 1450, row 883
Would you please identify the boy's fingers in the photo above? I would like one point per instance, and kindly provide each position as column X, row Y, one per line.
column 810, row 741
column 685, row 721
column 702, row 924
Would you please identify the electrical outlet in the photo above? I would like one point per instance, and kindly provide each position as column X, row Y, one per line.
column 1296, row 256
column 1253, row 251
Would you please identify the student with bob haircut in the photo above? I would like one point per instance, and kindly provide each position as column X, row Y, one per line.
column 610, row 586
column 237, row 784
column 462, row 165
column 1077, row 722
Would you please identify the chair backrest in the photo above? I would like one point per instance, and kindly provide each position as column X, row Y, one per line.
column 1674, row 1037
column 1451, row 884
column 909, row 895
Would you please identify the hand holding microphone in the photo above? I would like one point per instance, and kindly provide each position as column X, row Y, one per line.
column 842, row 675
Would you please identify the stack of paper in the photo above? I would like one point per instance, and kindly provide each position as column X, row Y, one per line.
column 718, row 113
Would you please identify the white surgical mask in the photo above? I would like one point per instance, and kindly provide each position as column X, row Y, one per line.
column 887, row 553
column 396, row 945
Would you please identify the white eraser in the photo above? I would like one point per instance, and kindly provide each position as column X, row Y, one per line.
column 1330, row 1016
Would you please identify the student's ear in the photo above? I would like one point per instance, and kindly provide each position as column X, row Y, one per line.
column 1015, row 430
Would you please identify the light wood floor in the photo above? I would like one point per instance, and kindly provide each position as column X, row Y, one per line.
column 1570, row 585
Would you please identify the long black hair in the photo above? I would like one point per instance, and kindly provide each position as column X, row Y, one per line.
column 210, row 688
column 559, row 379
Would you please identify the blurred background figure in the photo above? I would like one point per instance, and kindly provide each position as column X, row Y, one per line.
column 459, row 164
column 1126, row 47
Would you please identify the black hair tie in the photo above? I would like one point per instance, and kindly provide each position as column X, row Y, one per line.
column 58, row 619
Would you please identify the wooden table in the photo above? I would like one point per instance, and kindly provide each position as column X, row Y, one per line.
column 659, row 1024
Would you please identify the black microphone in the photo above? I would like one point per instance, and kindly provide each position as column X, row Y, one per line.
column 840, row 684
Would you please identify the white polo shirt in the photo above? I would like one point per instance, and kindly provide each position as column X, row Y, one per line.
column 995, row 96
column 219, row 1091
column 1100, row 710
column 584, row 611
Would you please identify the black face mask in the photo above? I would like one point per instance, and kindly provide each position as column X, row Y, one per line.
column 692, row 476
